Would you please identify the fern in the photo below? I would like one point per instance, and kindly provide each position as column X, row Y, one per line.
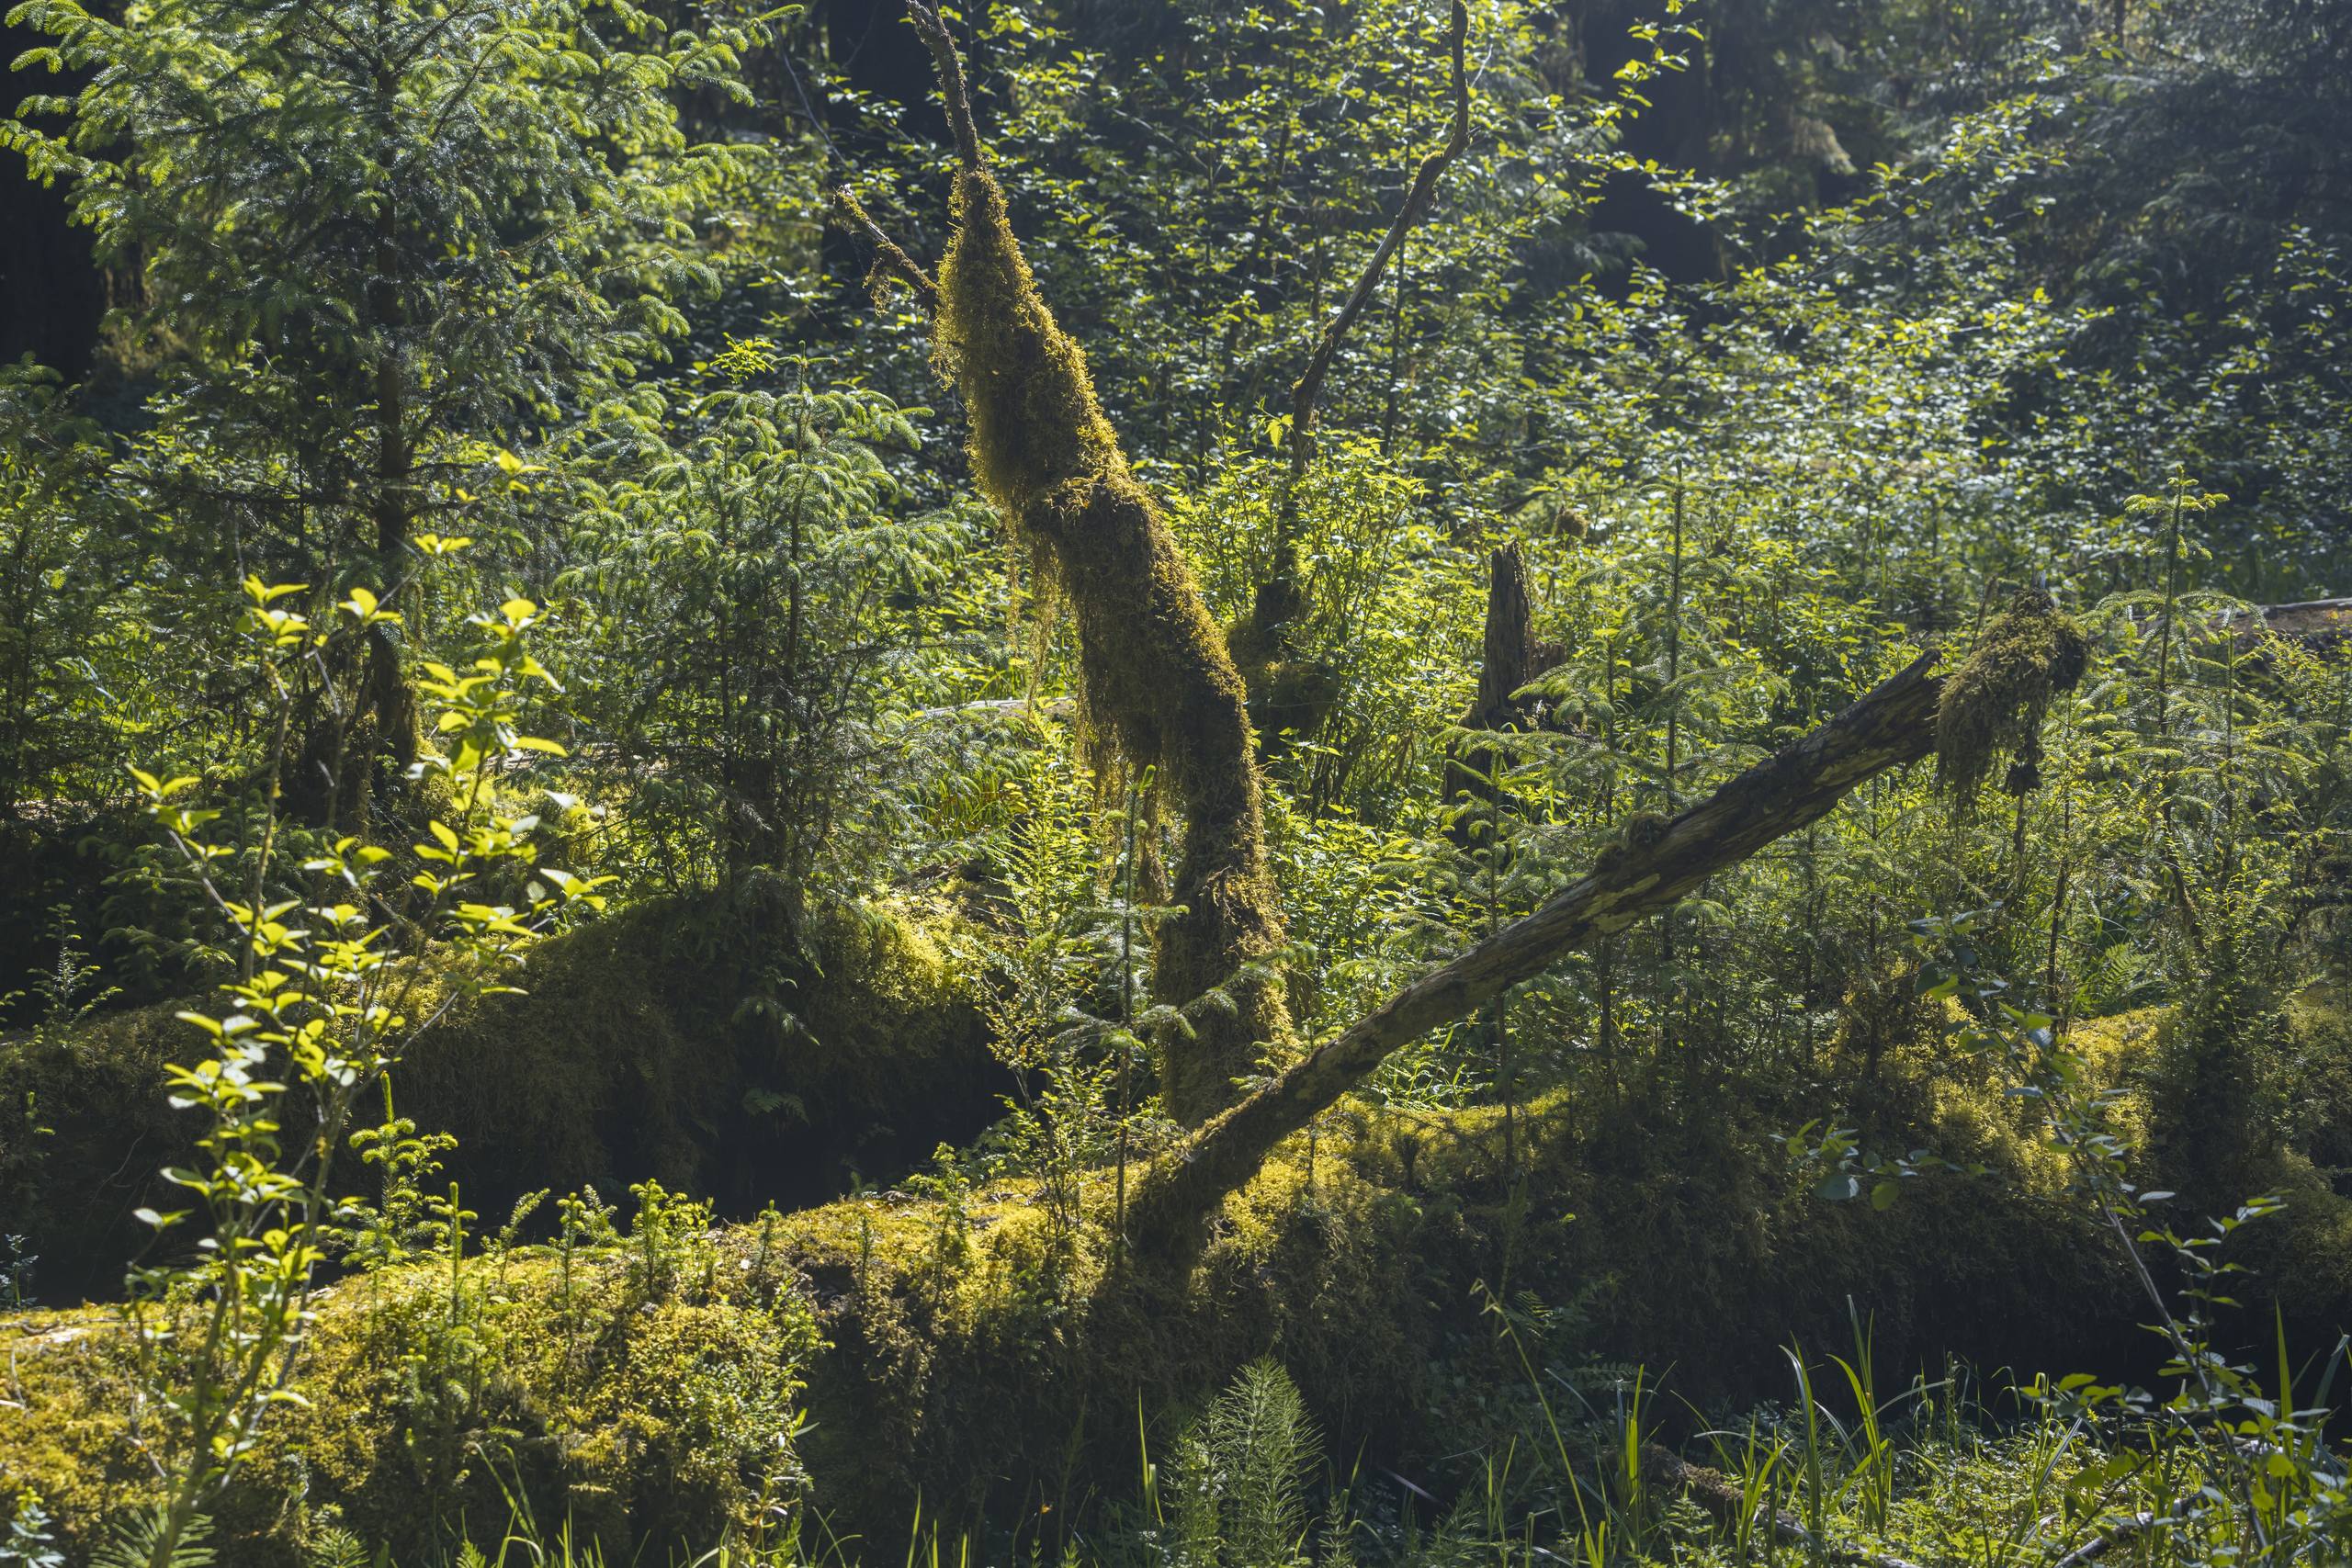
column 146, row 1540
column 1241, row 1471
column 336, row 1549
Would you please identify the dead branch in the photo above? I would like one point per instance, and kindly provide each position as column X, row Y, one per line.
column 1894, row 725
column 1418, row 198
column 1262, row 641
column 2317, row 624
column 890, row 259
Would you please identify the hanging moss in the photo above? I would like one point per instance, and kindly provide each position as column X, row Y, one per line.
column 1160, row 682
column 1288, row 695
column 1994, row 705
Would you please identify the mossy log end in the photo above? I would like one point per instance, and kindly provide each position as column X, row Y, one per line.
column 1994, row 705
column 1894, row 725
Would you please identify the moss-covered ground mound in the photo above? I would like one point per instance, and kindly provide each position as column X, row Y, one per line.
column 850, row 1358
column 688, row 1041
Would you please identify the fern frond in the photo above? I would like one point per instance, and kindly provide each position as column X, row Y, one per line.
column 146, row 1540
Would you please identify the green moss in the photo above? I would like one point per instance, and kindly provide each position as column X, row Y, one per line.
column 1358, row 1267
column 84, row 1128
column 976, row 1364
column 1159, row 680
column 972, row 1363
column 1993, row 706
column 1288, row 695
column 634, row 1414
column 692, row 1042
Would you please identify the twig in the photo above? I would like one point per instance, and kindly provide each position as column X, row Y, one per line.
column 1309, row 388
column 890, row 259
column 2097, row 1546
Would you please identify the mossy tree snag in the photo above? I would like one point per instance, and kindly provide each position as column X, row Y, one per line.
column 1658, row 862
column 1264, row 641
column 1159, row 680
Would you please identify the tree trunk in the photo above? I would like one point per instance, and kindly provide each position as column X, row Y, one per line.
column 1159, row 681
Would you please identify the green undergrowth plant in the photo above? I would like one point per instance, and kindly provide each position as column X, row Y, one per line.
column 1069, row 1010
column 2237, row 1471
column 328, row 957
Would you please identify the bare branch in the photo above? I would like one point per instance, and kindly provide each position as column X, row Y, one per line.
column 950, row 82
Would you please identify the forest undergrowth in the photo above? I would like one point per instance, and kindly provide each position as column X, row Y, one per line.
column 1238, row 787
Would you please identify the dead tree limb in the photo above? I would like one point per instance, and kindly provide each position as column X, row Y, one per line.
column 2318, row 623
column 1990, row 706
column 891, row 261
column 1894, row 725
column 1262, row 641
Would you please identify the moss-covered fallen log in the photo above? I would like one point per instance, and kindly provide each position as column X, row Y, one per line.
column 856, row 1361
column 958, row 1354
column 1903, row 719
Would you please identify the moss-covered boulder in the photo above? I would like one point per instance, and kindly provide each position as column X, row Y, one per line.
column 691, row 1041
column 627, row 1401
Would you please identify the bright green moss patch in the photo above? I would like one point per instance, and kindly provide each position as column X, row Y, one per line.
column 638, row 1410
